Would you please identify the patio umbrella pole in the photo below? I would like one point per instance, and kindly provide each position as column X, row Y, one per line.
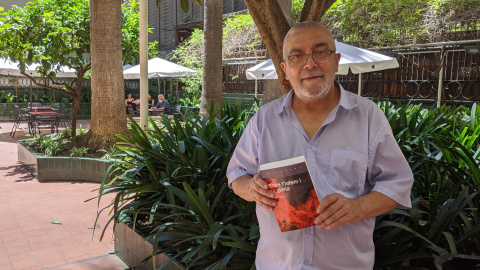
column 31, row 93
column 143, row 10
column 360, row 84
column 440, row 78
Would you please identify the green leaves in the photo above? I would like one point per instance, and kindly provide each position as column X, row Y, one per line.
column 56, row 33
column 172, row 185
column 441, row 145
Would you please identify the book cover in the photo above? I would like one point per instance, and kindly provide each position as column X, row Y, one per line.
column 295, row 193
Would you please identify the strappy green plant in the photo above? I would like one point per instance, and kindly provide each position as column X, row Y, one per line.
column 441, row 146
column 171, row 184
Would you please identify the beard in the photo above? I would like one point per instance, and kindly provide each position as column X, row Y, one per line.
column 317, row 89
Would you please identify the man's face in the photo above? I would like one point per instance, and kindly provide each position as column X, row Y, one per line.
column 311, row 81
column 160, row 98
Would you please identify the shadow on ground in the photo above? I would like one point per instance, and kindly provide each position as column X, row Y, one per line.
column 19, row 171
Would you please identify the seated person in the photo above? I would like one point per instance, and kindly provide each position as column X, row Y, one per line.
column 162, row 105
column 136, row 102
column 151, row 101
column 128, row 101
column 130, row 104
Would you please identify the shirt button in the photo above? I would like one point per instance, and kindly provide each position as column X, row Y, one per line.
column 311, row 146
column 307, row 229
column 306, row 262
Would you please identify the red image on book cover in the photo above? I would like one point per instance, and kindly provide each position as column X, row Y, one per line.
column 296, row 197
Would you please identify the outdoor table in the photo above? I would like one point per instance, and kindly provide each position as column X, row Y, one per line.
column 37, row 108
column 43, row 118
column 156, row 112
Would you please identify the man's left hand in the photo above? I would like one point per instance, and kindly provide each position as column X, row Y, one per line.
column 335, row 210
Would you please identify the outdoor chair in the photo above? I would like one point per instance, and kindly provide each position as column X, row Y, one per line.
column 18, row 116
column 45, row 121
column 176, row 111
column 16, row 123
column 64, row 118
column 133, row 112
column 23, row 115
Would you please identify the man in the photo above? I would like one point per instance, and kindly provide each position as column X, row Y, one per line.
column 359, row 172
column 162, row 105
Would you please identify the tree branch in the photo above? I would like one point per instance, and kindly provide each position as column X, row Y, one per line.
column 70, row 93
column 313, row 10
column 273, row 26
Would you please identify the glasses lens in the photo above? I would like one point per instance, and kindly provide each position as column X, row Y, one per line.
column 321, row 57
column 297, row 60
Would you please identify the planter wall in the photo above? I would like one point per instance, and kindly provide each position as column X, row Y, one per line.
column 61, row 168
column 132, row 249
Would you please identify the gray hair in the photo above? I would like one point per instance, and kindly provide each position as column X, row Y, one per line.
column 304, row 26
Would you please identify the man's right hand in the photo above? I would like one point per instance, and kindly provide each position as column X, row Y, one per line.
column 255, row 189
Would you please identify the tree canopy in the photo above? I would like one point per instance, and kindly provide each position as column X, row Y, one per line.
column 370, row 23
column 56, row 33
column 377, row 23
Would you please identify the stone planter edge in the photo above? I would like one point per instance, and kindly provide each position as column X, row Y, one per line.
column 61, row 168
column 132, row 249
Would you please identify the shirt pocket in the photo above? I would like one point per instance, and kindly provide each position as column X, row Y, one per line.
column 347, row 172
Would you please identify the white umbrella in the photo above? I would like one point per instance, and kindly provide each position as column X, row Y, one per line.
column 127, row 66
column 159, row 68
column 12, row 69
column 8, row 68
column 352, row 58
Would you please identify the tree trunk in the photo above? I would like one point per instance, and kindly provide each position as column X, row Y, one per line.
column 273, row 26
column 272, row 88
column 212, row 61
column 75, row 105
column 108, row 116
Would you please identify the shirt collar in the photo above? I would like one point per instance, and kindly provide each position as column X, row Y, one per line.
column 345, row 100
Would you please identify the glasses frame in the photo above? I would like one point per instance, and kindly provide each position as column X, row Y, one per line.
column 309, row 54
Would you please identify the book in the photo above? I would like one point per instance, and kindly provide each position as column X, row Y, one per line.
column 297, row 199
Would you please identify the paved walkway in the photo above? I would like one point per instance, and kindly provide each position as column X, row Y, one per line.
column 28, row 239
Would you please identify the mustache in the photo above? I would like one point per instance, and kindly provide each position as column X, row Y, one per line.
column 311, row 73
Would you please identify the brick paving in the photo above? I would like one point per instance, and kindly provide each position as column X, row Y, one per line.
column 28, row 239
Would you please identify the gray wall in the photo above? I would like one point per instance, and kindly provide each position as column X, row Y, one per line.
column 7, row 4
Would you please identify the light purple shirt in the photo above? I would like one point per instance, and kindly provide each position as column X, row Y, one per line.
column 353, row 153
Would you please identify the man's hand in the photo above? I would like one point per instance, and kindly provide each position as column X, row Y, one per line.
column 335, row 210
column 255, row 189
column 263, row 196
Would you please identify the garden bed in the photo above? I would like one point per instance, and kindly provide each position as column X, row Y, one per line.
column 133, row 249
column 61, row 168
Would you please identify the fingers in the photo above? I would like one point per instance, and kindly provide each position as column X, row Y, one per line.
column 334, row 210
column 262, row 195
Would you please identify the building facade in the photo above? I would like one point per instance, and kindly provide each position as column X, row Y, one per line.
column 171, row 25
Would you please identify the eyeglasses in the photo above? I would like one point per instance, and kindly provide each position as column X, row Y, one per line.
column 319, row 57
